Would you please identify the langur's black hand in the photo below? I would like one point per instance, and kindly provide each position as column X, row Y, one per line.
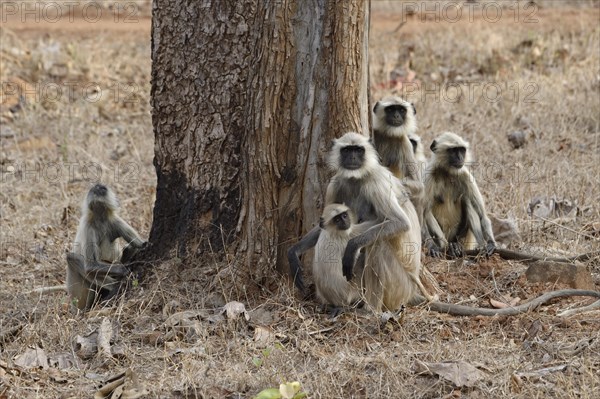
column 348, row 260
column 490, row 248
column 455, row 250
column 434, row 250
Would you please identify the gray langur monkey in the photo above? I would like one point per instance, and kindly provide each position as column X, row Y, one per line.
column 373, row 193
column 455, row 213
column 394, row 121
column 337, row 226
column 92, row 273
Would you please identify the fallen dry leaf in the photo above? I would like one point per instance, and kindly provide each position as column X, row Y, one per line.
column 32, row 358
column 185, row 316
column 507, row 304
column 234, row 309
column 498, row 304
column 86, row 347
column 460, row 373
column 263, row 335
column 186, row 324
column 125, row 385
column 62, row 360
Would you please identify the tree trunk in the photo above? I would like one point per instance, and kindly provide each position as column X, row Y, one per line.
column 246, row 98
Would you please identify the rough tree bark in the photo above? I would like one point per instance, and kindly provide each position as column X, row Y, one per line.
column 246, row 97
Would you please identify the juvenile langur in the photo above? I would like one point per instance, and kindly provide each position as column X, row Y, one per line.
column 91, row 272
column 337, row 226
column 394, row 121
column 373, row 193
column 454, row 210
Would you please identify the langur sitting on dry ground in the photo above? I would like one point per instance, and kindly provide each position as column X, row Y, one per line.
column 92, row 273
column 337, row 226
column 455, row 215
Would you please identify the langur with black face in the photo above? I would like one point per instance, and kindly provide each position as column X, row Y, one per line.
column 391, row 271
column 455, row 213
column 92, row 273
column 394, row 122
column 373, row 193
column 337, row 226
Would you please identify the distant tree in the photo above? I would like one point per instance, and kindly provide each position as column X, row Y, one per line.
column 246, row 97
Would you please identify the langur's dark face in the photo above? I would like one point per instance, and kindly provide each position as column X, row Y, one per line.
column 342, row 221
column 395, row 115
column 456, row 157
column 352, row 157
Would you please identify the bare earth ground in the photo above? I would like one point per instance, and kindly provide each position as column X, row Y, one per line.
column 55, row 142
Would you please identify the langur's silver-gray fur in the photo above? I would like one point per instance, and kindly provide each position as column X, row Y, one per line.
column 373, row 193
column 337, row 228
column 419, row 152
column 394, row 121
column 92, row 273
column 421, row 162
column 454, row 208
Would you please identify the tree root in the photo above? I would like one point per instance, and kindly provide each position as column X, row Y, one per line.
column 520, row 256
column 462, row 310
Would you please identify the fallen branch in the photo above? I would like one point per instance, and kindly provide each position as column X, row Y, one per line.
column 583, row 309
column 520, row 256
column 48, row 290
column 462, row 310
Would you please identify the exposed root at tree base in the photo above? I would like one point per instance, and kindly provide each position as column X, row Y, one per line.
column 462, row 310
column 520, row 256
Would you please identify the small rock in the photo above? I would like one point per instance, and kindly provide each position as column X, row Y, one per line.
column 574, row 275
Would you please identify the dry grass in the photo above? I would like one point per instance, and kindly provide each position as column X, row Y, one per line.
column 52, row 149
